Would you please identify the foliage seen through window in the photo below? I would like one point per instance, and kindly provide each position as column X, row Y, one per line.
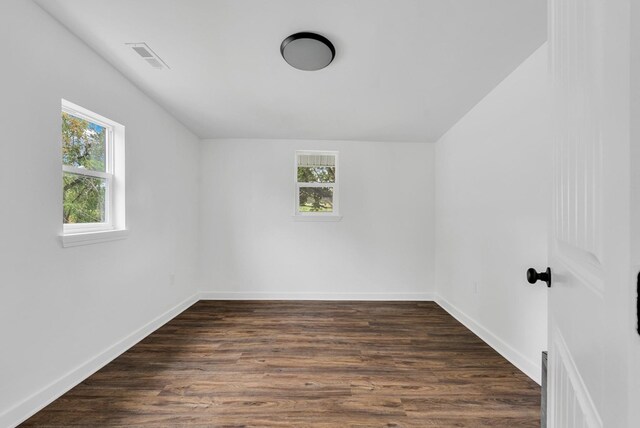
column 84, row 146
column 316, row 199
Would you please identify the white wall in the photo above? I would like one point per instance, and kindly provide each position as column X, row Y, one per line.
column 61, row 307
column 252, row 248
column 492, row 204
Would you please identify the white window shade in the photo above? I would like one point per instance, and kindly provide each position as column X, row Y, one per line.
column 316, row 160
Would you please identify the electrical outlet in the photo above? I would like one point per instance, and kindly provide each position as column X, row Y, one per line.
column 172, row 278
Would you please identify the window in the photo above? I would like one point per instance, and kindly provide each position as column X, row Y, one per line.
column 92, row 172
column 316, row 183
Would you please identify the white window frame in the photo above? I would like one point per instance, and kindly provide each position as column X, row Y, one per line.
column 335, row 214
column 77, row 234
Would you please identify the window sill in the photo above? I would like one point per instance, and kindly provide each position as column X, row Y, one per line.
column 317, row 217
column 87, row 238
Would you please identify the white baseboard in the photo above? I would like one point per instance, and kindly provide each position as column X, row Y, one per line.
column 258, row 295
column 31, row 405
column 523, row 363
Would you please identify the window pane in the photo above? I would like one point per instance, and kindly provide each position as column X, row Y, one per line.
column 84, row 199
column 84, row 144
column 316, row 174
column 316, row 199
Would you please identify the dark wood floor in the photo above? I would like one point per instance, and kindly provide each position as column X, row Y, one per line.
column 304, row 364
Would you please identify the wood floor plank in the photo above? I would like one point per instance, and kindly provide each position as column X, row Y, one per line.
column 304, row 364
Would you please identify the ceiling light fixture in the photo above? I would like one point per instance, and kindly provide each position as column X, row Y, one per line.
column 307, row 51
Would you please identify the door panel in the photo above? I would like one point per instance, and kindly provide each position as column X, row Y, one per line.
column 589, row 234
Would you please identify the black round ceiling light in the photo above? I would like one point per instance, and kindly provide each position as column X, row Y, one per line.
column 307, row 51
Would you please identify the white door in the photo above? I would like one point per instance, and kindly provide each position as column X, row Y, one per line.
column 591, row 374
column 634, row 304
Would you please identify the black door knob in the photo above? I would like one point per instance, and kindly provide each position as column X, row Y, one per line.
column 533, row 276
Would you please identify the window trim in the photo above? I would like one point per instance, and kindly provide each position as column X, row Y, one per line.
column 114, row 175
column 311, row 215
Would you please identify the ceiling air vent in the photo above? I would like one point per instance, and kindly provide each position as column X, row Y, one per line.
column 148, row 55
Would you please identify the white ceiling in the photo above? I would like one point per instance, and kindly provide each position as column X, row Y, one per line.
column 405, row 70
